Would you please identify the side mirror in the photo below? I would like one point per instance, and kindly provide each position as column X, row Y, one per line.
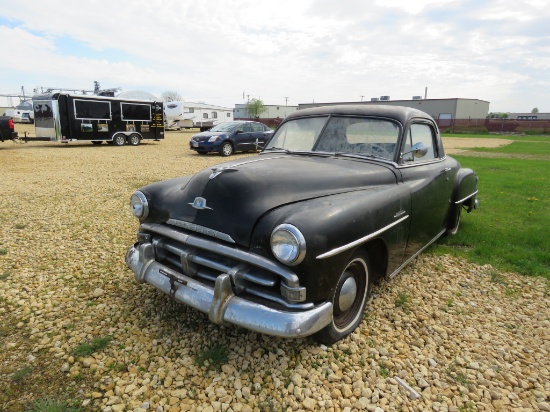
column 418, row 150
column 238, row 131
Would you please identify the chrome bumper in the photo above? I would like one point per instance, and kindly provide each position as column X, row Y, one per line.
column 220, row 302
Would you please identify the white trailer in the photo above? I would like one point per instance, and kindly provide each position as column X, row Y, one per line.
column 186, row 115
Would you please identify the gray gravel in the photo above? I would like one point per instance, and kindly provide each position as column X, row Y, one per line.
column 463, row 337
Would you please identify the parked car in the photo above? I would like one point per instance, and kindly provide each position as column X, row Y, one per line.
column 229, row 137
column 7, row 128
column 289, row 242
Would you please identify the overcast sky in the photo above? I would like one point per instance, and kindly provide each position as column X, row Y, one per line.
column 295, row 51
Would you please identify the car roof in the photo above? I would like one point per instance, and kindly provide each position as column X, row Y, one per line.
column 400, row 113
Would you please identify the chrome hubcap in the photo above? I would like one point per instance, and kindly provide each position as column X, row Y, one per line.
column 348, row 292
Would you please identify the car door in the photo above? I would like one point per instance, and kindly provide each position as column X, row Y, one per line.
column 260, row 135
column 243, row 137
column 429, row 180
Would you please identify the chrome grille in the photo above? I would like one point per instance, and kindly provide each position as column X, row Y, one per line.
column 205, row 260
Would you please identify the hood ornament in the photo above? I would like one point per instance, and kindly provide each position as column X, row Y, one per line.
column 219, row 170
column 200, row 203
column 216, row 171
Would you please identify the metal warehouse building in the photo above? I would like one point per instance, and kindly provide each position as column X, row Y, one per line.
column 439, row 109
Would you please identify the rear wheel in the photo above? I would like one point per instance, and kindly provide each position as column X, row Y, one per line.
column 349, row 300
column 227, row 149
column 134, row 139
column 454, row 228
column 119, row 139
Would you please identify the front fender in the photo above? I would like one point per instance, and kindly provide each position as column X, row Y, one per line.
column 331, row 222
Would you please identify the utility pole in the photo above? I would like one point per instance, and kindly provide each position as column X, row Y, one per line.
column 286, row 104
column 362, row 97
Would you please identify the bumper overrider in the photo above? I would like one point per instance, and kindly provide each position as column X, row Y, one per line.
column 220, row 302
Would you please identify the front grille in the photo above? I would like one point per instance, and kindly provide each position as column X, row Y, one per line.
column 251, row 275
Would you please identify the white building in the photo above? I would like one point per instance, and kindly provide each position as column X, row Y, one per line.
column 272, row 112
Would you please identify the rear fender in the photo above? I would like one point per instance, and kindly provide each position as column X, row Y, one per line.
column 465, row 189
column 464, row 194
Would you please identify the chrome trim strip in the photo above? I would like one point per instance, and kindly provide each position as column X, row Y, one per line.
column 200, row 229
column 419, row 163
column 359, row 241
column 290, row 277
column 395, row 272
column 221, row 304
column 466, row 198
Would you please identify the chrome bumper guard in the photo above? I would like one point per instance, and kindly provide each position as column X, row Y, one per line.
column 220, row 302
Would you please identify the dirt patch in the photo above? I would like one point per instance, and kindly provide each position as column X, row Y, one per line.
column 456, row 145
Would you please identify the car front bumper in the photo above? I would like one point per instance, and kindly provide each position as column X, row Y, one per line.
column 205, row 146
column 220, row 302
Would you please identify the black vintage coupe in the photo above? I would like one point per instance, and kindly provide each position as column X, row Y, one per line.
column 289, row 242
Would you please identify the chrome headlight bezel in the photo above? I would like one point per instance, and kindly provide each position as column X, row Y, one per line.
column 139, row 206
column 288, row 244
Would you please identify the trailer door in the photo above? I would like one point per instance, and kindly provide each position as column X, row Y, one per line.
column 157, row 124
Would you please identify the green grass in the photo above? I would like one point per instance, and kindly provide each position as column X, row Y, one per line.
column 52, row 405
column 21, row 374
column 510, row 228
column 402, row 301
column 213, row 357
column 87, row 348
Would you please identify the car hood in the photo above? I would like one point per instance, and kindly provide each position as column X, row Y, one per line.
column 231, row 197
column 205, row 135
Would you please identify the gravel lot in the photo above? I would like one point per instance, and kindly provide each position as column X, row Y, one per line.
column 465, row 337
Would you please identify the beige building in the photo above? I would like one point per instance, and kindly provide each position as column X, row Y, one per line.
column 439, row 109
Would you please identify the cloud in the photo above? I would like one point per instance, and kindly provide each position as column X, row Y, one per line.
column 308, row 50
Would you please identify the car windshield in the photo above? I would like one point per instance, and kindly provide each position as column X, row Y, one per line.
column 342, row 135
column 224, row 127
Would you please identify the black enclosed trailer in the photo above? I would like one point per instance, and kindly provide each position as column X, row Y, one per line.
column 63, row 117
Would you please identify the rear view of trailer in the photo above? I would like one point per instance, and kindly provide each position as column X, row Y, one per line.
column 63, row 117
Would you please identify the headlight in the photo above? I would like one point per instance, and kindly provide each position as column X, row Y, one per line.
column 214, row 138
column 288, row 244
column 139, row 205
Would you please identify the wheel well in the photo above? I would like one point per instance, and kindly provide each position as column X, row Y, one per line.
column 378, row 257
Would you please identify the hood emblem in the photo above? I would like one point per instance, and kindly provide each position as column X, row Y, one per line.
column 200, row 203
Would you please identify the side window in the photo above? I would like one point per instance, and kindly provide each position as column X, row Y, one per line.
column 420, row 133
column 247, row 128
column 257, row 127
column 205, row 115
column 214, row 115
column 228, row 115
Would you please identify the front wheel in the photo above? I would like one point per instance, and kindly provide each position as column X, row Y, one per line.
column 349, row 300
column 227, row 149
column 119, row 139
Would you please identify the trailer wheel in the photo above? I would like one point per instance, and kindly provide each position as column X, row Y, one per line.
column 119, row 139
column 134, row 139
column 97, row 141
